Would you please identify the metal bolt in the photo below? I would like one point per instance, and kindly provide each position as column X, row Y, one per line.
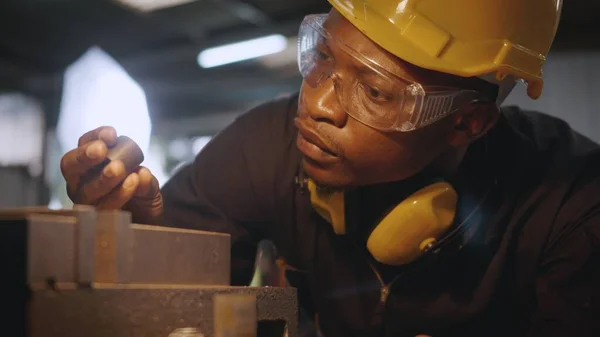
column 429, row 247
column 186, row 332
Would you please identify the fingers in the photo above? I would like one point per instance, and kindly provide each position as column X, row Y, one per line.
column 78, row 161
column 91, row 151
column 118, row 197
column 92, row 179
column 106, row 134
column 139, row 193
column 102, row 183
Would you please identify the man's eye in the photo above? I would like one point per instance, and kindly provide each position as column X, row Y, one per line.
column 375, row 94
column 324, row 56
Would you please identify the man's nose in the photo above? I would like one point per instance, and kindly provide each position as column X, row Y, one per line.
column 324, row 106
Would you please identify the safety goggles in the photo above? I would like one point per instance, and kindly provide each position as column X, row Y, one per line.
column 368, row 92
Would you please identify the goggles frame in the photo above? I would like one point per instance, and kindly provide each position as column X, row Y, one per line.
column 421, row 105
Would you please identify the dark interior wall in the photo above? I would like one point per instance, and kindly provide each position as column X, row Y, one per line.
column 571, row 91
column 19, row 189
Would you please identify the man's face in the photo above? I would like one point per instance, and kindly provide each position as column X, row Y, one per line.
column 341, row 152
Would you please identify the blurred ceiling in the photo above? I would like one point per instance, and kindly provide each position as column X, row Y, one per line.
column 39, row 38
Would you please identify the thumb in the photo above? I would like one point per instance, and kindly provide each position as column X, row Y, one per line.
column 148, row 187
column 146, row 206
column 146, row 211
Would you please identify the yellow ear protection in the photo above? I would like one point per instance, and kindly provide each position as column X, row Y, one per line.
column 407, row 231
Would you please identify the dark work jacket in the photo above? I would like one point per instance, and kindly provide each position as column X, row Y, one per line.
column 528, row 264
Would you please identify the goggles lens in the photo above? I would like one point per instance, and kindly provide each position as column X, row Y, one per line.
column 365, row 90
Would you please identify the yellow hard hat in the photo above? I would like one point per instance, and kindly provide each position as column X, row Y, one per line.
column 497, row 40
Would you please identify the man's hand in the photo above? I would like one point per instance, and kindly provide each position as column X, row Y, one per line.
column 110, row 187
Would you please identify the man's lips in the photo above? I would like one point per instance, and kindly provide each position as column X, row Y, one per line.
column 312, row 146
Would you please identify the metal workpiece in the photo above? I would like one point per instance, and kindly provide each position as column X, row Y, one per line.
column 127, row 151
column 47, row 244
column 154, row 310
column 51, row 248
column 85, row 235
column 178, row 256
column 134, row 253
column 86, row 246
column 94, row 273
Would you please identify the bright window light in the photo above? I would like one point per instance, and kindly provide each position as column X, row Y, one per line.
column 240, row 51
column 98, row 91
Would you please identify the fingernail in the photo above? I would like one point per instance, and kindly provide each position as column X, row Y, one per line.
column 129, row 182
column 104, row 133
column 93, row 151
column 108, row 172
column 107, row 135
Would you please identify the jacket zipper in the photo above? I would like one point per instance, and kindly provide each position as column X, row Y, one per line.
column 384, row 290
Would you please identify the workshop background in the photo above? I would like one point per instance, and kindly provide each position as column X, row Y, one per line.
column 148, row 68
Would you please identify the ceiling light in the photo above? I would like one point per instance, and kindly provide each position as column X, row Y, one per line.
column 286, row 58
column 152, row 5
column 240, row 51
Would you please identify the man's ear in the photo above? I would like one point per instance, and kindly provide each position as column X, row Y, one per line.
column 473, row 122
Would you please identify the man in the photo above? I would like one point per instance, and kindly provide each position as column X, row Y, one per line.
column 498, row 232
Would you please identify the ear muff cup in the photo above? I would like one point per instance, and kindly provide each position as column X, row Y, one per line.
column 404, row 233
column 414, row 225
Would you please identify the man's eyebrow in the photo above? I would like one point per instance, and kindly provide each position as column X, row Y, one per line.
column 360, row 68
column 363, row 70
column 322, row 44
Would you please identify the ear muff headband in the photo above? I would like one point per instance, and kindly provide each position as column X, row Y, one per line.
column 330, row 205
column 407, row 231
column 470, row 213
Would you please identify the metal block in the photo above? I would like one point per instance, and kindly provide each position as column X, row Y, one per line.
column 51, row 254
column 133, row 253
column 75, row 248
column 234, row 315
column 105, row 247
column 77, row 237
column 113, row 255
column 38, row 247
column 153, row 311
column 179, row 256
column 86, row 242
